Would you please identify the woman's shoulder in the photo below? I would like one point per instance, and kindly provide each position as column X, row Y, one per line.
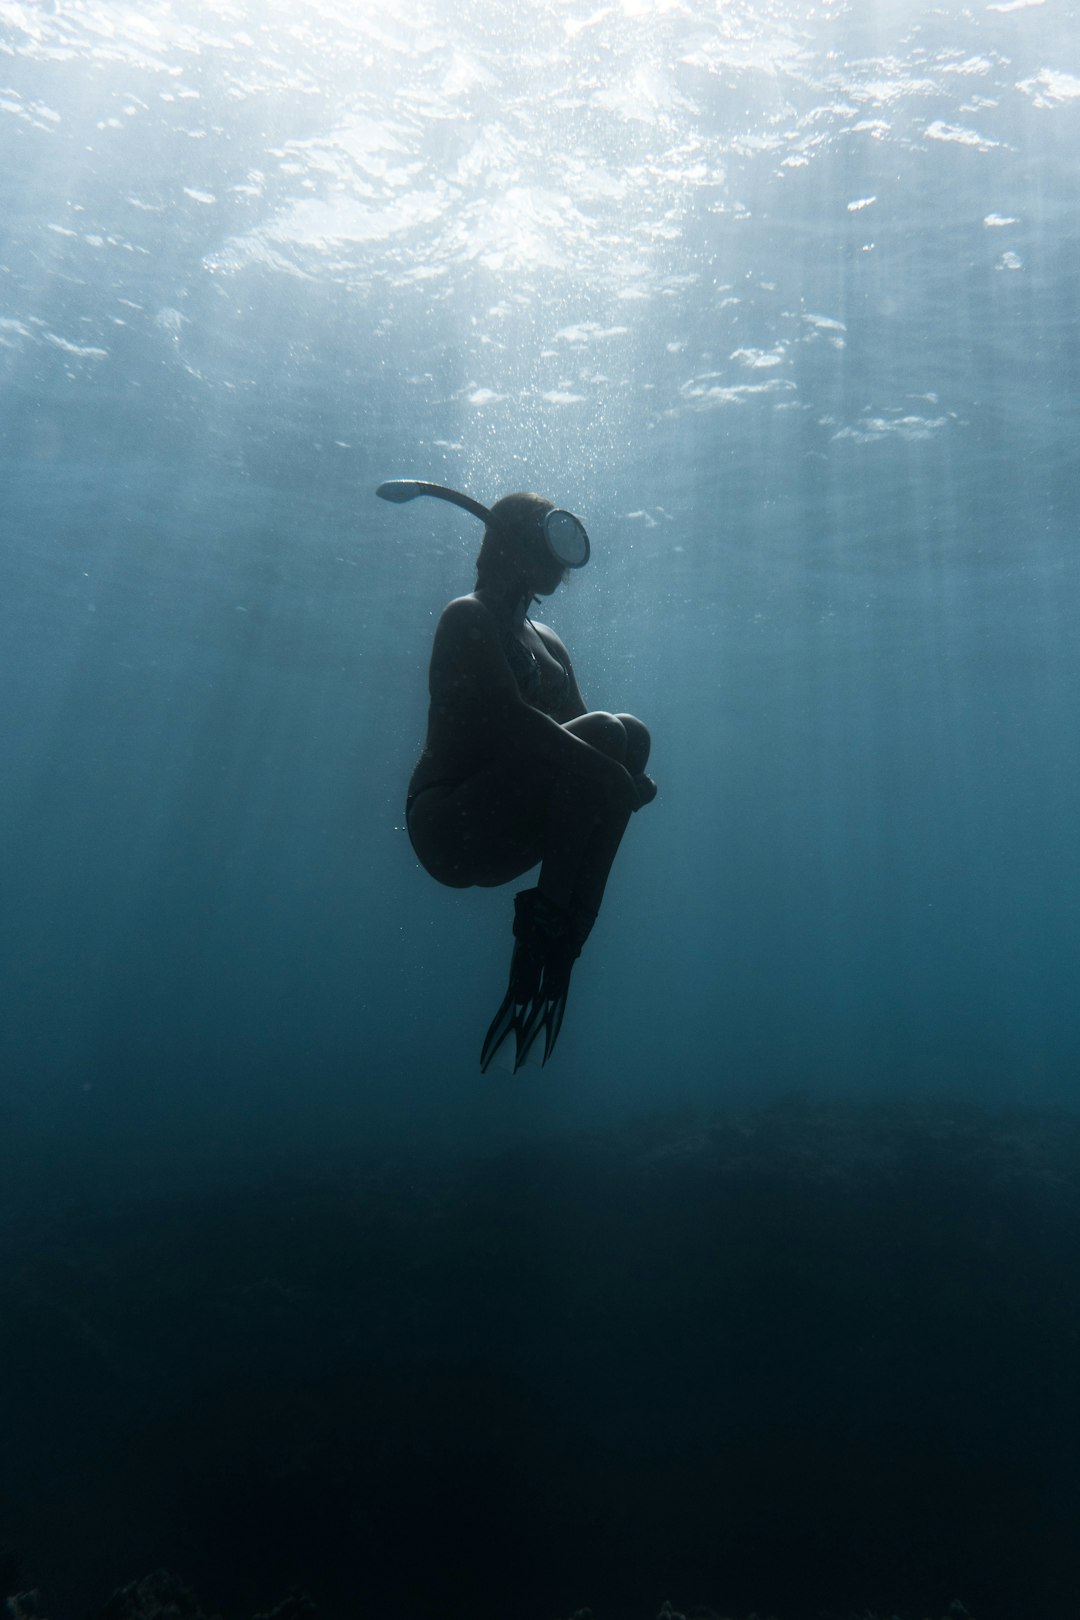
column 466, row 634
column 466, row 616
column 467, row 652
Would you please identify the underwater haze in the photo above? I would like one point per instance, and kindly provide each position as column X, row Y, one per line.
column 783, row 298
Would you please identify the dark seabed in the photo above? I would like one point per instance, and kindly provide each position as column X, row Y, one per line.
column 806, row 1360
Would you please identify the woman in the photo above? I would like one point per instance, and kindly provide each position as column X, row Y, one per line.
column 514, row 772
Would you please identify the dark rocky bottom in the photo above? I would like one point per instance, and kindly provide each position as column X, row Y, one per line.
column 810, row 1361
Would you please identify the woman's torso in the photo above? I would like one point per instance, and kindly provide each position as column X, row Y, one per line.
column 461, row 738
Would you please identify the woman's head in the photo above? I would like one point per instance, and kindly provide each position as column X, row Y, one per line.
column 514, row 554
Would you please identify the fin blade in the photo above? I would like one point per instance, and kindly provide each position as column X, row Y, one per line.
column 553, row 1024
column 529, row 1035
column 500, row 1028
column 513, row 1019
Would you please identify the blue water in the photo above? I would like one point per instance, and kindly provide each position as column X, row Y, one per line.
column 784, row 299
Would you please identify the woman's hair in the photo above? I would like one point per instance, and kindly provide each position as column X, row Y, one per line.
column 512, row 538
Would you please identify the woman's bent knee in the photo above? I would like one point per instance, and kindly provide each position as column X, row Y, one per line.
column 638, row 743
column 604, row 732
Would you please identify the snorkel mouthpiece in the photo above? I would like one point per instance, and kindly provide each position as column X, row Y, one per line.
column 563, row 532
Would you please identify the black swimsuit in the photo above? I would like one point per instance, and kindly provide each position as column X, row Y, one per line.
column 526, row 670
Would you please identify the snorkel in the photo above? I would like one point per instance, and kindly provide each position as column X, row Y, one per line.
column 563, row 533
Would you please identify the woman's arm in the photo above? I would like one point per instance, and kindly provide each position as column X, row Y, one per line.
column 471, row 677
column 575, row 706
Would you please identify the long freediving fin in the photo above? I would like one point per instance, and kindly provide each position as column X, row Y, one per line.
column 504, row 1040
column 546, row 1016
column 547, row 943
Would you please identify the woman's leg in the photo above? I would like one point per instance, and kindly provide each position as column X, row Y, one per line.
column 484, row 831
column 638, row 743
column 583, row 835
column 506, row 819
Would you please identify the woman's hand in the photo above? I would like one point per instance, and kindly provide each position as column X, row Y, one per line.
column 646, row 789
column 617, row 786
column 626, row 793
